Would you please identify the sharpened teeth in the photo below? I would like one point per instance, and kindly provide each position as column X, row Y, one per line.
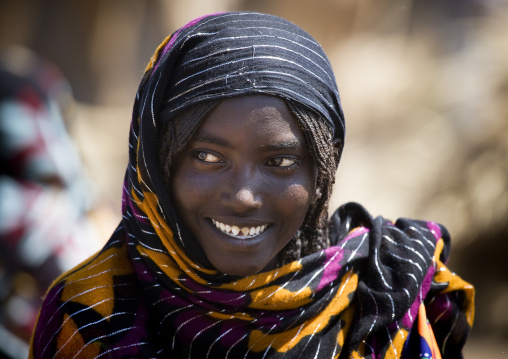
column 235, row 231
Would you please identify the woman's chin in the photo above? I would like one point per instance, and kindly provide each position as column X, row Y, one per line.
column 244, row 267
column 245, row 271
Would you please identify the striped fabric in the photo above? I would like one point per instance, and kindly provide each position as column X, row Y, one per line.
column 150, row 294
column 235, row 54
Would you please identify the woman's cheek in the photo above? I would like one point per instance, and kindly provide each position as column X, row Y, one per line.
column 190, row 188
column 297, row 194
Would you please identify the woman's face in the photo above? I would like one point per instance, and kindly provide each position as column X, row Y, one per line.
column 244, row 183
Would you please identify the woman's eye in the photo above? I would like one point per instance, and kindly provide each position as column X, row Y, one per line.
column 207, row 157
column 282, row 162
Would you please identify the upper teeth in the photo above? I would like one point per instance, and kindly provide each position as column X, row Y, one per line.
column 234, row 231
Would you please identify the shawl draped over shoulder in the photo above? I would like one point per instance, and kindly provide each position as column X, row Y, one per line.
column 382, row 290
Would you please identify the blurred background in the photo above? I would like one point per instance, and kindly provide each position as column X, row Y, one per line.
column 424, row 85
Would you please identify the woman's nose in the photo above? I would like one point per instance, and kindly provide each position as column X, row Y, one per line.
column 242, row 193
column 245, row 199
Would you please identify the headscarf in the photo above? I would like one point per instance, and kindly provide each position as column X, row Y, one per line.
column 144, row 295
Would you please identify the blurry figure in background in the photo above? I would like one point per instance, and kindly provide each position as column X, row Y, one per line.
column 44, row 196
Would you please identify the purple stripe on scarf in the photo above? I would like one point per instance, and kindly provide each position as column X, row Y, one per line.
column 332, row 266
column 424, row 289
column 127, row 202
column 353, row 234
column 227, row 298
column 435, row 229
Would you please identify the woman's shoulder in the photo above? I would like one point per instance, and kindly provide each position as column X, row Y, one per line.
column 96, row 273
column 352, row 219
column 351, row 216
column 87, row 296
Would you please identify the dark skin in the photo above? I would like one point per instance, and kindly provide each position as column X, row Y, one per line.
column 244, row 183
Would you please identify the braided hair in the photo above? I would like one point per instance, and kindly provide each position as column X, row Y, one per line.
column 313, row 234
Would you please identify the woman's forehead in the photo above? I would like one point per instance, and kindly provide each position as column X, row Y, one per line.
column 266, row 117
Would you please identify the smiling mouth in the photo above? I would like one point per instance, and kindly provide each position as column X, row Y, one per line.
column 237, row 232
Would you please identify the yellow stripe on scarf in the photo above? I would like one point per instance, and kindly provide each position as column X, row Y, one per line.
column 259, row 280
column 70, row 340
column 283, row 342
column 397, row 344
column 455, row 283
column 94, row 281
column 149, row 205
column 276, row 297
column 155, row 56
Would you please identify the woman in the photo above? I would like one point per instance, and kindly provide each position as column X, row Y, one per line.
column 225, row 249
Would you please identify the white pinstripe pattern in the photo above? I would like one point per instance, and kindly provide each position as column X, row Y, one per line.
column 219, row 78
column 276, row 29
column 151, row 102
column 185, row 323
column 300, row 328
column 391, row 341
column 419, row 242
column 353, row 254
column 367, row 345
column 283, row 286
column 278, row 37
column 147, row 232
column 69, row 318
column 200, row 332
column 57, row 294
column 171, row 313
column 235, row 344
column 432, row 244
column 149, row 189
column 409, row 313
column 408, row 260
column 329, row 294
column 306, row 285
column 268, row 348
column 448, row 304
column 144, row 245
column 387, row 238
column 449, row 333
column 102, row 337
column 216, row 340
column 377, row 311
column 257, row 341
column 392, row 303
column 135, row 188
column 122, row 347
column 379, row 270
column 255, row 46
column 413, row 228
column 413, row 277
column 90, row 324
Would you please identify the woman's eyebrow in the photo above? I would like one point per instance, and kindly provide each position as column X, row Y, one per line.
column 211, row 138
column 293, row 143
column 283, row 144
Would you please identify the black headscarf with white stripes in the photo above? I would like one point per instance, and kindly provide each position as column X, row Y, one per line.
column 234, row 54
